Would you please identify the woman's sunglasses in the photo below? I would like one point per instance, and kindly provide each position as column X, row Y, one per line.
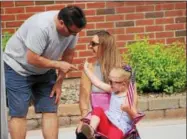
column 93, row 44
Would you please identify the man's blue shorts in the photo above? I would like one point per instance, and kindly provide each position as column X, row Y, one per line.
column 21, row 89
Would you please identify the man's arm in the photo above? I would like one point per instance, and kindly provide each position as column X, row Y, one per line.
column 68, row 57
column 42, row 62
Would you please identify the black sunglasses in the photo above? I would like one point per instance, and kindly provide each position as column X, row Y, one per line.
column 93, row 44
column 111, row 82
column 70, row 31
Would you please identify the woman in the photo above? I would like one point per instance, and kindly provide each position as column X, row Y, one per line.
column 107, row 56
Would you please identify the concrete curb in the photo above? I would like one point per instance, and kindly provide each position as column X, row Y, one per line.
column 154, row 108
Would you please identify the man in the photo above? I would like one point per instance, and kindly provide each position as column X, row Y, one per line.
column 31, row 58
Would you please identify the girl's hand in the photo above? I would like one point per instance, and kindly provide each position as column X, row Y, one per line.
column 125, row 107
column 130, row 110
column 86, row 65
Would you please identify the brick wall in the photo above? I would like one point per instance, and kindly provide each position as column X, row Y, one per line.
column 161, row 21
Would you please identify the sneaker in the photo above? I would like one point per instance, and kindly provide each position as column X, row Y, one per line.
column 88, row 131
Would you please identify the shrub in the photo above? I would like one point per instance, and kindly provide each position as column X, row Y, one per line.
column 6, row 36
column 158, row 68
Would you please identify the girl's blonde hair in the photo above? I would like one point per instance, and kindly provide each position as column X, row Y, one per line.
column 120, row 73
column 108, row 52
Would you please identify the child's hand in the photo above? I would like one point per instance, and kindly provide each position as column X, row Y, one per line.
column 125, row 107
column 86, row 65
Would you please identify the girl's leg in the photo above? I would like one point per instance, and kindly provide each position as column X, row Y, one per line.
column 114, row 133
column 100, row 121
column 104, row 126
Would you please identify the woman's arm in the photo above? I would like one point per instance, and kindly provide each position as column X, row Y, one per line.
column 84, row 95
column 95, row 81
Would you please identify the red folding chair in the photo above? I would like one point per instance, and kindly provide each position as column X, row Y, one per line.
column 98, row 99
column 102, row 100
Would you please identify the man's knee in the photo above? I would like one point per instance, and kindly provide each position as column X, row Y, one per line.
column 49, row 118
column 49, row 115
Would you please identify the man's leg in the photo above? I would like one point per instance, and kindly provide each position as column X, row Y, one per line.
column 45, row 104
column 50, row 125
column 18, row 94
column 17, row 128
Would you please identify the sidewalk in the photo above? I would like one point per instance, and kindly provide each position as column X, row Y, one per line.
column 149, row 129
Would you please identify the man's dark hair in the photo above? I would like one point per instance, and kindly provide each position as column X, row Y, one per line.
column 72, row 15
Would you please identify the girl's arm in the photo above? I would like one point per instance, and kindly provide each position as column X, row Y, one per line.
column 132, row 112
column 95, row 81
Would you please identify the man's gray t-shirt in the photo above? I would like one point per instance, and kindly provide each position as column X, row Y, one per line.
column 39, row 34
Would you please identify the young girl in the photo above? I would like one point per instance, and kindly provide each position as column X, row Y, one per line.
column 116, row 121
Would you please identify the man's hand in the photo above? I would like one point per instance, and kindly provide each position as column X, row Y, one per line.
column 65, row 66
column 57, row 89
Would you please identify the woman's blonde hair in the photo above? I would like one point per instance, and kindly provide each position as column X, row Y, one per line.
column 108, row 52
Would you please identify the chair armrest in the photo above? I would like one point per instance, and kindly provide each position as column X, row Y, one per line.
column 139, row 116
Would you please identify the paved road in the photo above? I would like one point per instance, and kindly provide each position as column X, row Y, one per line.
column 162, row 129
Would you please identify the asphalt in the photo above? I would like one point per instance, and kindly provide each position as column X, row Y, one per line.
column 152, row 129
